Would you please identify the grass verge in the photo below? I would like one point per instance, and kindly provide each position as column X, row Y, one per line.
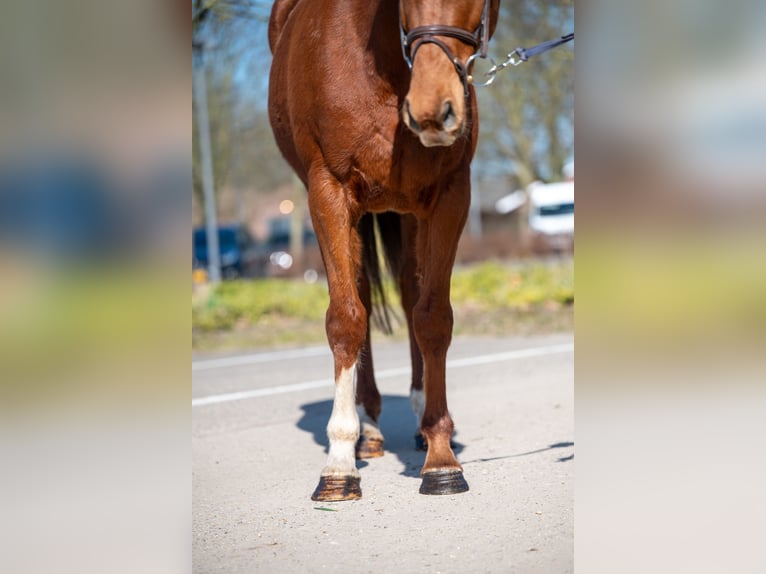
column 490, row 298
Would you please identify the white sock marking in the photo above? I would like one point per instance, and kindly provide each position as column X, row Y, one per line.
column 343, row 428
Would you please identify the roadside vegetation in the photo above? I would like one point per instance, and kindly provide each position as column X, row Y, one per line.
column 488, row 298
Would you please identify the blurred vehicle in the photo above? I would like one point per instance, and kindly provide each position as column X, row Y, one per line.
column 240, row 255
column 551, row 212
column 277, row 250
column 279, row 234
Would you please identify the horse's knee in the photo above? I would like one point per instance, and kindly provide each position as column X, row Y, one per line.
column 346, row 326
column 433, row 327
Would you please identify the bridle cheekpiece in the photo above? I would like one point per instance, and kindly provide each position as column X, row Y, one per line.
column 478, row 39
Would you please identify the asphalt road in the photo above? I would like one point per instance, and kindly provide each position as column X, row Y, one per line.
column 258, row 444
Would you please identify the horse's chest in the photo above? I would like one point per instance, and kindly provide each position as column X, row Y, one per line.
column 395, row 174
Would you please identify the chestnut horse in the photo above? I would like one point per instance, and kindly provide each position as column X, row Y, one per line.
column 371, row 104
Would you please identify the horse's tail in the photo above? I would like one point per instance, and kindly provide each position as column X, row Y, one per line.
column 384, row 231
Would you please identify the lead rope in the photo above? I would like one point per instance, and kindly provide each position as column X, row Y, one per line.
column 514, row 58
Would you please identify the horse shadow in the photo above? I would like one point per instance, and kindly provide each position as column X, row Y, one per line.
column 397, row 423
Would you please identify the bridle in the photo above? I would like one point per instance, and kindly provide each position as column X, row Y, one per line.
column 478, row 40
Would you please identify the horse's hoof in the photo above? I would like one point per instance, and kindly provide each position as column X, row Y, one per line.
column 369, row 447
column 336, row 488
column 443, row 482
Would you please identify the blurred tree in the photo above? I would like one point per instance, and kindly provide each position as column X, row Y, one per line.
column 527, row 121
column 220, row 12
column 233, row 34
column 256, row 162
column 221, row 124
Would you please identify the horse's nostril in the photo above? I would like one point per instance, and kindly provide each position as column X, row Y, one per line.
column 448, row 115
column 414, row 126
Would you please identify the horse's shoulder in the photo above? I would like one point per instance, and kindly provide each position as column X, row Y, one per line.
column 280, row 11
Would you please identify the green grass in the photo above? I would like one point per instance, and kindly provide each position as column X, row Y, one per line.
column 492, row 286
column 489, row 298
column 252, row 302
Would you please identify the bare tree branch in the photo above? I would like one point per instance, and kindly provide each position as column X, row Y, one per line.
column 530, row 109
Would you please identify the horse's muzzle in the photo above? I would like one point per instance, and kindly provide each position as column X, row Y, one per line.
column 434, row 129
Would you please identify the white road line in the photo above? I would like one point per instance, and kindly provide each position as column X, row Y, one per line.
column 511, row 355
column 385, row 374
column 268, row 391
column 203, row 365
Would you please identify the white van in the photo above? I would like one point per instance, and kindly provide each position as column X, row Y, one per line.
column 551, row 208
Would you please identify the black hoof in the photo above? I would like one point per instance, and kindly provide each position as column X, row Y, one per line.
column 337, row 488
column 443, row 482
column 367, row 447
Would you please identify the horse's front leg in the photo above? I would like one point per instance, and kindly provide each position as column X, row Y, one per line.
column 346, row 326
column 438, row 235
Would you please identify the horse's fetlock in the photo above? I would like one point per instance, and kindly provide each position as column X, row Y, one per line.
column 434, row 426
column 343, row 430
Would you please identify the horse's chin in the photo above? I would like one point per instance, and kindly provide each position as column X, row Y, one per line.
column 437, row 138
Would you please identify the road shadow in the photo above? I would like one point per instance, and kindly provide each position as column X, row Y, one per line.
column 397, row 423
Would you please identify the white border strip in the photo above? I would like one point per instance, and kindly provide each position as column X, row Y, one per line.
column 385, row 374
